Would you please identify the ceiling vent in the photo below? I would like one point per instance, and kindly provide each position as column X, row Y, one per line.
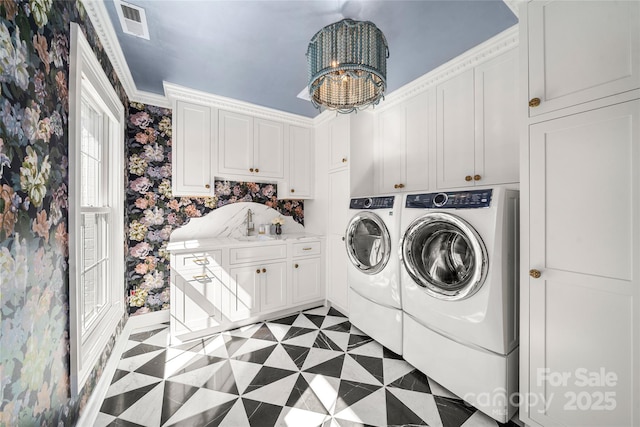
column 133, row 19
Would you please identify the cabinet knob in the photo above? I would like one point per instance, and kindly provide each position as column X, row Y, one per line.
column 293, row 191
column 395, row 185
column 477, row 177
column 264, row 270
column 295, row 265
column 257, row 170
column 251, row 170
column 400, row 185
column 344, row 160
column 207, row 186
column 258, row 271
column 468, row 178
column 343, row 238
column 535, row 273
column 534, row 102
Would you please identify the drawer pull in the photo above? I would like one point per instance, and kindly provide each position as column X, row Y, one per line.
column 468, row 178
column 295, row 265
column 250, row 169
column 257, row 170
column 201, row 277
column 306, row 249
column 207, row 186
column 535, row 274
column 201, row 261
column 293, row 191
column 258, row 271
column 264, row 270
column 534, row 102
column 477, row 177
column 344, row 160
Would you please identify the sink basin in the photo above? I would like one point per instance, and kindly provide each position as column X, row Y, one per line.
column 258, row 238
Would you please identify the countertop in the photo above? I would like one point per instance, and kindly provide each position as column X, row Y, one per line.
column 226, row 242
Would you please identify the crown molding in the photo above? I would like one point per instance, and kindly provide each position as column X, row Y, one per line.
column 99, row 17
column 497, row 45
column 176, row 92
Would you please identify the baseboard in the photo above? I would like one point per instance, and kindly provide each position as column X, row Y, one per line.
column 91, row 411
column 148, row 319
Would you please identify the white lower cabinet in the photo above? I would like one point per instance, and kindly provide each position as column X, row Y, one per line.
column 307, row 279
column 224, row 288
column 337, row 288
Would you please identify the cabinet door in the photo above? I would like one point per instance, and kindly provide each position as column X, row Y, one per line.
column 301, row 167
column 268, row 160
column 192, row 158
column 307, row 280
column 337, row 288
column 497, row 142
column 584, row 239
column 339, row 213
column 236, row 143
column 416, row 157
column 339, row 142
column 196, row 301
column 392, row 140
column 273, row 286
column 582, row 50
column 244, row 292
column 455, row 132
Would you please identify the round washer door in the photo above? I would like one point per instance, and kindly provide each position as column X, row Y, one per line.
column 445, row 255
column 368, row 242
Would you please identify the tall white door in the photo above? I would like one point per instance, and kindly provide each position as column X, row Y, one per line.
column 391, row 143
column 584, row 285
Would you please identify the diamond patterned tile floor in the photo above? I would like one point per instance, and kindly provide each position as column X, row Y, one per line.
column 309, row 369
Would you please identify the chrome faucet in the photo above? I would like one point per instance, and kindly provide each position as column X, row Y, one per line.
column 250, row 226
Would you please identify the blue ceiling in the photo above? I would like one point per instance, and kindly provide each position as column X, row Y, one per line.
column 254, row 51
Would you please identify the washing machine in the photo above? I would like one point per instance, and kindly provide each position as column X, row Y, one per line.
column 373, row 273
column 459, row 281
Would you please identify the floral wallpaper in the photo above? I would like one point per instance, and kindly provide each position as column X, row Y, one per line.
column 153, row 213
column 34, row 146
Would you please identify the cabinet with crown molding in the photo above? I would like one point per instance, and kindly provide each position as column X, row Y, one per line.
column 403, row 144
column 194, row 159
column 477, row 140
column 298, row 183
column 250, row 146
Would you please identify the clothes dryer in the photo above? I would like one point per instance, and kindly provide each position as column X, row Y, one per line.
column 459, row 281
column 372, row 238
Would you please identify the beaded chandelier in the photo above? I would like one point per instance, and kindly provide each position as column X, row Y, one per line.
column 347, row 66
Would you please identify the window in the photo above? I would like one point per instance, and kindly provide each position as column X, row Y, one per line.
column 96, row 210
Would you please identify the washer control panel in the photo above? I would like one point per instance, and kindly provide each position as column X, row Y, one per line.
column 372, row 203
column 450, row 200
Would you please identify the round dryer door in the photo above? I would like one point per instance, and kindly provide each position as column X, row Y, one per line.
column 445, row 255
column 368, row 242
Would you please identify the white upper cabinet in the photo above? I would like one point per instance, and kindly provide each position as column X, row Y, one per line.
column 477, row 128
column 497, row 143
column 404, row 147
column 339, row 138
column 268, row 148
column 250, row 146
column 299, row 184
column 455, row 146
column 580, row 51
column 193, row 155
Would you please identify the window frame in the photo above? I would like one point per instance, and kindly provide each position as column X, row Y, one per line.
column 86, row 346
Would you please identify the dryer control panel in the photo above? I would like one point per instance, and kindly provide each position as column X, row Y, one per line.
column 372, row 203
column 450, row 200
